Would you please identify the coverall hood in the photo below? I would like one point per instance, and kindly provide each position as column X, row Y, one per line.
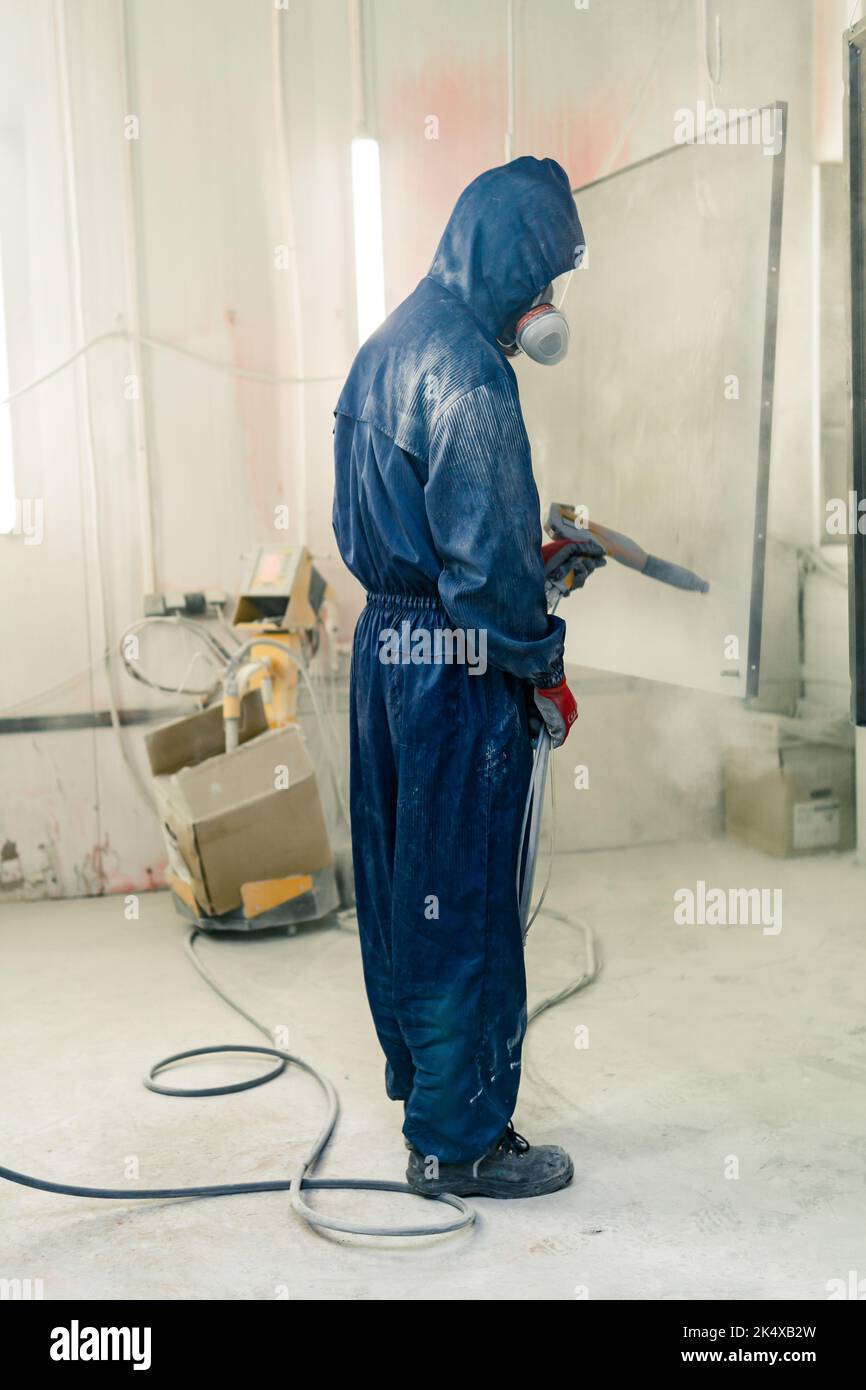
column 512, row 231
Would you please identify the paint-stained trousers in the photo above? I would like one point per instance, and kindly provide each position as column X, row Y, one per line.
column 440, row 766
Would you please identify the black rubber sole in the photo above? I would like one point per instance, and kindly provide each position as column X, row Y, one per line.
column 489, row 1187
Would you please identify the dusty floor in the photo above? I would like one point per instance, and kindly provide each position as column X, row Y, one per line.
column 711, row 1050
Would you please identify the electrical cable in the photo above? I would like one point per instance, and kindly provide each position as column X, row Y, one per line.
column 813, row 562
column 181, row 687
column 714, row 66
column 41, row 695
column 583, row 980
column 590, row 972
column 551, row 849
column 223, row 656
column 650, row 76
column 122, row 335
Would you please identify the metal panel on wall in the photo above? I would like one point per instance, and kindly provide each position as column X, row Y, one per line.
column 855, row 152
column 659, row 421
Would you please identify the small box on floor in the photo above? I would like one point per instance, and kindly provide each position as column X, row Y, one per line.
column 795, row 798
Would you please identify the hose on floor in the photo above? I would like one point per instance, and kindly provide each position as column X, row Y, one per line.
column 301, row 1180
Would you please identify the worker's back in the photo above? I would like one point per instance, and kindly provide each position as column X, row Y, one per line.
column 428, row 353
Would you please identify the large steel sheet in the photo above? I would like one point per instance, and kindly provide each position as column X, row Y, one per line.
column 659, row 421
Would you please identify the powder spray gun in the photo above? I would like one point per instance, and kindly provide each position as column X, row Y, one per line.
column 562, row 525
column 561, row 579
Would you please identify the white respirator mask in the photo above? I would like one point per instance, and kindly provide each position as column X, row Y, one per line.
column 542, row 332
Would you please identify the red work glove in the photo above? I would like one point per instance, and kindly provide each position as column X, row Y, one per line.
column 558, row 708
column 579, row 558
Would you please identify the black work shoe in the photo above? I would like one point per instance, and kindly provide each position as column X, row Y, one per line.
column 512, row 1168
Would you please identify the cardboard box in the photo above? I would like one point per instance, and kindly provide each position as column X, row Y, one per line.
column 190, row 740
column 241, row 817
column 791, row 800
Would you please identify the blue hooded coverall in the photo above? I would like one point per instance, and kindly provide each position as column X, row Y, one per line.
column 437, row 514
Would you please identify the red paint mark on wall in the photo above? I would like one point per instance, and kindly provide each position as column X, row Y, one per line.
column 426, row 166
column 422, row 177
column 99, row 873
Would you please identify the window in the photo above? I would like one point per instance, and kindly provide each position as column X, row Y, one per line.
column 7, row 462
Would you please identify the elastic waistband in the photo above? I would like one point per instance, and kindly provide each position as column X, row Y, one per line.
column 425, row 603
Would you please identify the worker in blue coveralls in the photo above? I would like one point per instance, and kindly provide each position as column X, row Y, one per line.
column 437, row 514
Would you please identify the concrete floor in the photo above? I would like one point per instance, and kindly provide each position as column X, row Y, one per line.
column 707, row 1045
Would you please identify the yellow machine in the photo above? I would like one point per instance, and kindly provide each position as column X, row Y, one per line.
column 282, row 601
column 244, row 850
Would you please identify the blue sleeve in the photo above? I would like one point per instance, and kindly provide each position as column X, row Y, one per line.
column 483, row 511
